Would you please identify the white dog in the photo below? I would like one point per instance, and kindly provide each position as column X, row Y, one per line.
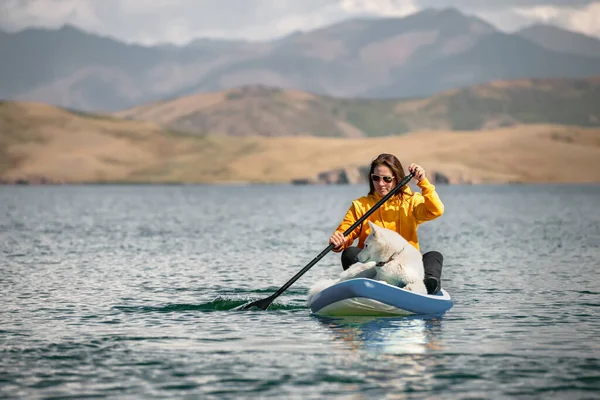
column 387, row 257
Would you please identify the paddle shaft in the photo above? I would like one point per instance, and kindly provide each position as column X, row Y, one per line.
column 315, row 260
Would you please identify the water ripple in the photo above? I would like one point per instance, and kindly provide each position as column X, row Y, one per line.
column 131, row 292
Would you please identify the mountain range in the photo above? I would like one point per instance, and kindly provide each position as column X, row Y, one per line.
column 411, row 57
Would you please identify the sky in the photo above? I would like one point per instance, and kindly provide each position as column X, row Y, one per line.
column 178, row 22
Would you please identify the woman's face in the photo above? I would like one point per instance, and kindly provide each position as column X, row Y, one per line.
column 383, row 172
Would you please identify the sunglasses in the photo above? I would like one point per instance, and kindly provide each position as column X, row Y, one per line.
column 386, row 179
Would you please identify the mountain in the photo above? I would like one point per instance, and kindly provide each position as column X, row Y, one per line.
column 266, row 111
column 557, row 39
column 42, row 143
column 350, row 58
column 71, row 68
column 414, row 56
column 497, row 56
column 37, row 57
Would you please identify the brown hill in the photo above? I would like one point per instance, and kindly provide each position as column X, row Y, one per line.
column 37, row 140
column 248, row 111
column 40, row 140
column 264, row 111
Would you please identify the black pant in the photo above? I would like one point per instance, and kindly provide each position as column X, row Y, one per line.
column 432, row 261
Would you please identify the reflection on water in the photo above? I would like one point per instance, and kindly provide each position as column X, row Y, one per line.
column 402, row 353
column 405, row 335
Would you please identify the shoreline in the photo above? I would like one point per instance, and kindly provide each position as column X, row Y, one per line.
column 93, row 183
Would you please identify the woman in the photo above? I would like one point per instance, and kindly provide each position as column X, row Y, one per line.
column 402, row 213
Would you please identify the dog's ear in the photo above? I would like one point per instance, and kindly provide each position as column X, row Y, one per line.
column 373, row 228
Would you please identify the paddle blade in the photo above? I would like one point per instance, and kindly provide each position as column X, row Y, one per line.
column 263, row 304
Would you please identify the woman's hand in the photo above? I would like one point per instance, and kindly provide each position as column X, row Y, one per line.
column 418, row 170
column 337, row 239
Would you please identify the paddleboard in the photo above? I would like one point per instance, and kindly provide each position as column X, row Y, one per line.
column 368, row 297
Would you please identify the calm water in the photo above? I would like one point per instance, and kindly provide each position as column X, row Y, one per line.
column 128, row 292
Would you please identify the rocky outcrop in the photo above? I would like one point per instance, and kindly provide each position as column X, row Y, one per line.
column 439, row 178
column 340, row 176
column 29, row 180
column 357, row 175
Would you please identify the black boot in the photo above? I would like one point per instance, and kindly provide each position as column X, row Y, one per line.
column 350, row 256
column 433, row 262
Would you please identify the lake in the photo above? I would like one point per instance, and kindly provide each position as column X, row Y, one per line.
column 129, row 292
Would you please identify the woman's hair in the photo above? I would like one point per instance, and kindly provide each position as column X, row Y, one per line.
column 393, row 164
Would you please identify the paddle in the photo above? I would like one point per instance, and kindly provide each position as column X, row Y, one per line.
column 265, row 303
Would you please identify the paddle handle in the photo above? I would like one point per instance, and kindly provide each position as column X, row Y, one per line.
column 322, row 254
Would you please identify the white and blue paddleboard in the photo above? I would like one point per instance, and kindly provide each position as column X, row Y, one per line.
column 368, row 297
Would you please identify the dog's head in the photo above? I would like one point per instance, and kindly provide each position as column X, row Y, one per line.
column 380, row 245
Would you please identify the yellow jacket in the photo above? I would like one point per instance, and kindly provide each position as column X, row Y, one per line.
column 402, row 216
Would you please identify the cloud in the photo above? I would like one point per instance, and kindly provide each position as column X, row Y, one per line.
column 389, row 8
column 502, row 5
column 175, row 21
column 16, row 14
column 584, row 19
column 180, row 21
